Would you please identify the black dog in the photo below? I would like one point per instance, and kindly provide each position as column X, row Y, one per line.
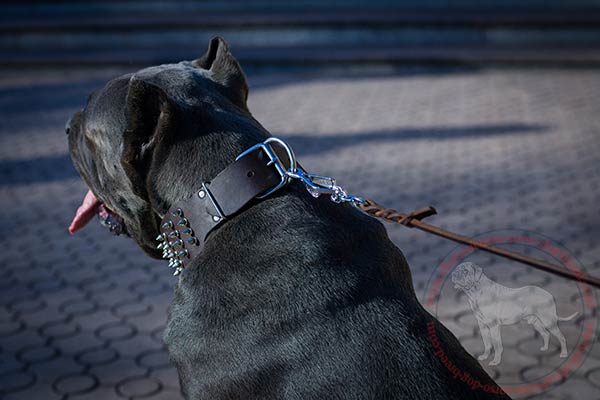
column 292, row 298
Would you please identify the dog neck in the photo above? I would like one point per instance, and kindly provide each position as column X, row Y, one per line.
column 256, row 173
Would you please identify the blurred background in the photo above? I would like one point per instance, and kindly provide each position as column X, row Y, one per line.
column 486, row 109
column 272, row 34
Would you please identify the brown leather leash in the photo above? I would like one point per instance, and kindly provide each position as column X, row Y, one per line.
column 414, row 220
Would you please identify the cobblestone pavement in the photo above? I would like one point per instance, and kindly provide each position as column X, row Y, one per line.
column 493, row 149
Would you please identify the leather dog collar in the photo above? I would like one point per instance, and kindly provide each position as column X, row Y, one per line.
column 255, row 173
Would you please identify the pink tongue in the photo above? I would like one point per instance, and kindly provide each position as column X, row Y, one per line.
column 86, row 211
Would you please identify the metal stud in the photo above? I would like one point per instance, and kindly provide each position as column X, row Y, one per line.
column 202, row 194
column 173, row 234
column 183, row 222
column 162, row 237
column 188, row 231
column 177, row 213
column 216, row 218
column 160, row 246
column 167, row 225
column 177, row 271
column 177, row 243
column 183, row 253
column 192, row 240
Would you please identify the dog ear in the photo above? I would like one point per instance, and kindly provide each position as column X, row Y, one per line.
column 150, row 114
column 225, row 70
column 477, row 272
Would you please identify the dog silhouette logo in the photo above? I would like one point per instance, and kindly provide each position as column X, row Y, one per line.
column 494, row 305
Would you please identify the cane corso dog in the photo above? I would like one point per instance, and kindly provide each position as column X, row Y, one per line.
column 495, row 305
column 293, row 297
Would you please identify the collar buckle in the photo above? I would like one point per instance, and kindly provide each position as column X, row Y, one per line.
column 275, row 161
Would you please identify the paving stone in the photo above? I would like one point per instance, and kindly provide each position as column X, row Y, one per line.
column 115, row 372
column 39, row 390
column 564, row 392
column 166, row 376
column 131, row 308
column 37, row 353
column 59, row 329
column 114, row 296
column 76, row 307
column 47, row 286
column 154, row 359
column 14, row 293
column 98, row 286
column 25, row 338
column 76, row 384
column 150, row 288
column 10, row 363
column 99, row 355
column 50, row 370
column 135, row 345
column 42, row 317
column 116, row 331
column 11, row 328
column 16, row 381
column 99, row 320
column 148, row 323
column 26, row 306
column 78, row 343
column 135, row 387
column 99, row 393
column 66, row 294
column 594, row 377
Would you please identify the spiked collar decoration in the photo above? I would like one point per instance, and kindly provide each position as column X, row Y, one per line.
column 255, row 174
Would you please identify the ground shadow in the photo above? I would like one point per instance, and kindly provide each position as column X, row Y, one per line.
column 59, row 167
column 306, row 144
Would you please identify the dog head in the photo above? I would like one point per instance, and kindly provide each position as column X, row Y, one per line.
column 146, row 140
column 466, row 275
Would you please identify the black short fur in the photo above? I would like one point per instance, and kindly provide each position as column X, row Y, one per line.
column 294, row 298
